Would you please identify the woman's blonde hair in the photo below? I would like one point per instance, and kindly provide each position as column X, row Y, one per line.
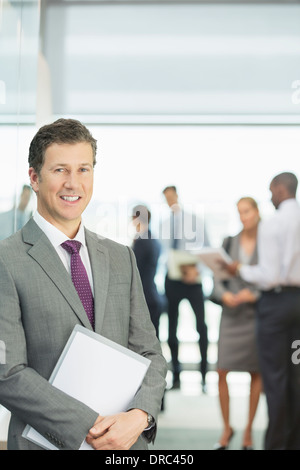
column 250, row 200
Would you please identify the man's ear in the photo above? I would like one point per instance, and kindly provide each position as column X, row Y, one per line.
column 34, row 179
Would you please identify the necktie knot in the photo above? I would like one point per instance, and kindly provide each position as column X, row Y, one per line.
column 71, row 246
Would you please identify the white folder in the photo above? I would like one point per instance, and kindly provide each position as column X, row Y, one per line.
column 214, row 259
column 178, row 258
column 98, row 372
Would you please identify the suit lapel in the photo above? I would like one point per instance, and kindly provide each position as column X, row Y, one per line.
column 45, row 255
column 100, row 268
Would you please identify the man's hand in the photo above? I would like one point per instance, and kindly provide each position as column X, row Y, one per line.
column 232, row 268
column 117, row 432
column 189, row 273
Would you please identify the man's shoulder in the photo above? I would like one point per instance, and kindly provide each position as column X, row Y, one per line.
column 11, row 241
column 108, row 244
column 11, row 248
column 119, row 256
column 148, row 243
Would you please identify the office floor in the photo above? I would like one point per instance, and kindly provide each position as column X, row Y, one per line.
column 191, row 420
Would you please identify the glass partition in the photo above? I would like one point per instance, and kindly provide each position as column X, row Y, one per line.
column 19, row 44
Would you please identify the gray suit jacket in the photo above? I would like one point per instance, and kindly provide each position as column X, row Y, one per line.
column 38, row 310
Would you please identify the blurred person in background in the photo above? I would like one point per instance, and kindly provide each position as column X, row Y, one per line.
column 147, row 251
column 186, row 232
column 277, row 274
column 14, row 219
column 237, row 350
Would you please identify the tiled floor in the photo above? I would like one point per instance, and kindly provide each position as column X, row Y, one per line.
column 188, row 409
column 191, row 419
column 197, row 416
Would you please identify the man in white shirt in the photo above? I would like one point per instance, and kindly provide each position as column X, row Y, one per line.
column 184, row 232
column 278, row 277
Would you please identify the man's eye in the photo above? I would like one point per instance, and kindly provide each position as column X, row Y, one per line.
column 59, row 170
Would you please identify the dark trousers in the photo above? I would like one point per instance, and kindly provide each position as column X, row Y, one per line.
column 175, row 292
column 278, row 327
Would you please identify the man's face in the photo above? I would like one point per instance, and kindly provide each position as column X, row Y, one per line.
column 64, row 186
column 171, row 197
column 276, row 191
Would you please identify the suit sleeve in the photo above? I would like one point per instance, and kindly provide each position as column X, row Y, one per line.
column 143, row 340
column 24, row 392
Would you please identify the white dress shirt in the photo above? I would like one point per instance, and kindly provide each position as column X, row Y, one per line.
column 189, row 231
column 187, row 228
column 278, row 250
column 57, row 237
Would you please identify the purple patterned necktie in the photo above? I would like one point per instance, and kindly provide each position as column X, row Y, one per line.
column 80, row 278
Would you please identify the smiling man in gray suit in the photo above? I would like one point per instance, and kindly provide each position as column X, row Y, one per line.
column 40, row 305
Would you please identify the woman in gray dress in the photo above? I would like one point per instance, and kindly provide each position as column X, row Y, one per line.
column 237, row 339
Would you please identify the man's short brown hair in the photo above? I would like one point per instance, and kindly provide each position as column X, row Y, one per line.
column 62, row 131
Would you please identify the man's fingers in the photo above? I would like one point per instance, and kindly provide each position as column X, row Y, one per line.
column 101, row 426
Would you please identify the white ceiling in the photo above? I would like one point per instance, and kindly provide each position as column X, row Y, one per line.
column 173, row 62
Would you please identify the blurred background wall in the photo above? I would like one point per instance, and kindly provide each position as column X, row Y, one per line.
column 201, row 95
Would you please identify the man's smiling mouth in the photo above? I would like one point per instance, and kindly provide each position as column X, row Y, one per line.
column 70, row 198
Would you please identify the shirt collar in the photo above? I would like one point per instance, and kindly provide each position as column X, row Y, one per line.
column 55, row 236
column 287, row 202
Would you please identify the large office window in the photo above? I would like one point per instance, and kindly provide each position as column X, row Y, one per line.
column 173, row 62
column 203, row 95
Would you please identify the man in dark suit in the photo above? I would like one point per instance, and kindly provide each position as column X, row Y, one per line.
column 147, row 252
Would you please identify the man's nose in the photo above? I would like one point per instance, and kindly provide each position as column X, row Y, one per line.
column 71, row 180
